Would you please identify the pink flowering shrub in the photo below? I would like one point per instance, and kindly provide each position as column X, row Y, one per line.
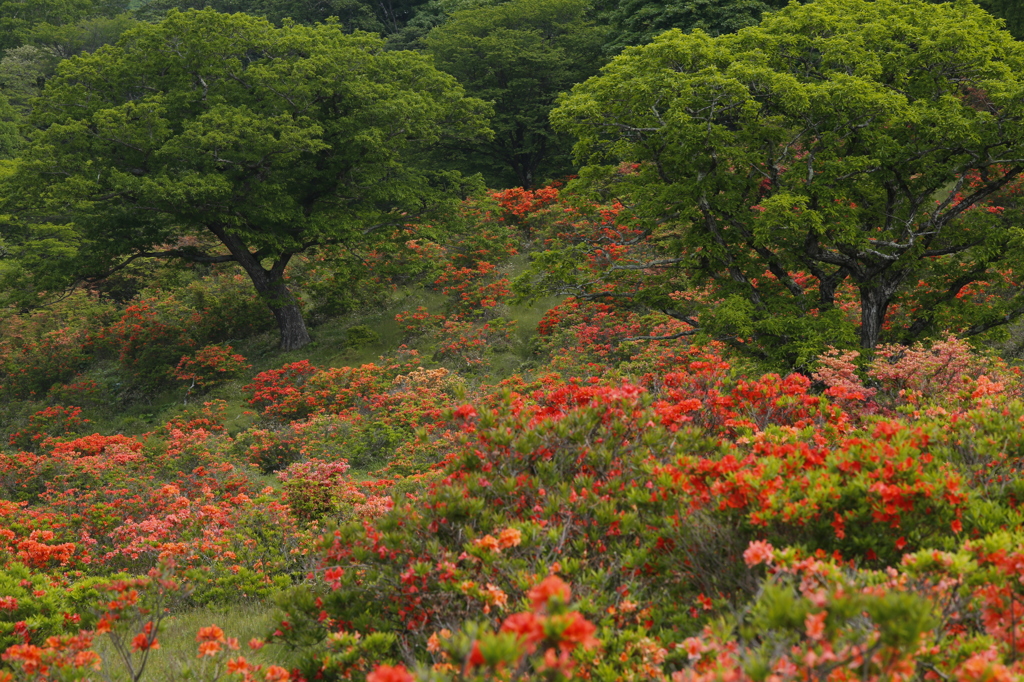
column 946, row 373
column 315, row 488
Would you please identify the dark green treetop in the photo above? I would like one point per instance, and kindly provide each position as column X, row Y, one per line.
column 380, row 16
column 637, row 22
column 1012, row 11
column 520, row 55
column 84, row 35
column 19, row 17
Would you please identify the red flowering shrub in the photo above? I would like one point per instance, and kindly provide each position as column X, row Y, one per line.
column 150, row 336
column 418, row 323
column 473, row 292
column 547, row 641
column 82, row 462
column 299, row 389
column 87, row 393
column 365, row 414
column 267, row 449
column 47, row 424
column 208, row 417
column 590, row 338
column 463, row 345
column 529, row 210
column 48, row 352
column 273, row 388
column 153, row 333
column 47, row 346
column 934, row 615
column 96, row 445
column 209, row 366
column 61, row 658
column 519, row 202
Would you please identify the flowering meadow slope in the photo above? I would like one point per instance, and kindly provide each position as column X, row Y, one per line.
column 618, row 508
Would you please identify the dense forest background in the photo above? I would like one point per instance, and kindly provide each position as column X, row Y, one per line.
column 519, row 55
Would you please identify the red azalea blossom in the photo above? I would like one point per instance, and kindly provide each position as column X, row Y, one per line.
column 551, row 586
column 578, row 631
column 387, row 673
column 528, row 627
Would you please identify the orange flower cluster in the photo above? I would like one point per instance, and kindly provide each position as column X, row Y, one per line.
column 510, row 537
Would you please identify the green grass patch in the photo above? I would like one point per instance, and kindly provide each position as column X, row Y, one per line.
column 177, row 656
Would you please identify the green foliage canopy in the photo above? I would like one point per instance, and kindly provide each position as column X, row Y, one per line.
column 854, row 142
column 220, row 138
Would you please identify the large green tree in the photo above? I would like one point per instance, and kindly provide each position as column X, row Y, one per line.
column 219, row 138
column 520, row 55
column 842, row 143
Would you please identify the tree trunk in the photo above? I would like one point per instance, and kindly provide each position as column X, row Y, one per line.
column 270, row 285
column 873, row 305
column 285, row 307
